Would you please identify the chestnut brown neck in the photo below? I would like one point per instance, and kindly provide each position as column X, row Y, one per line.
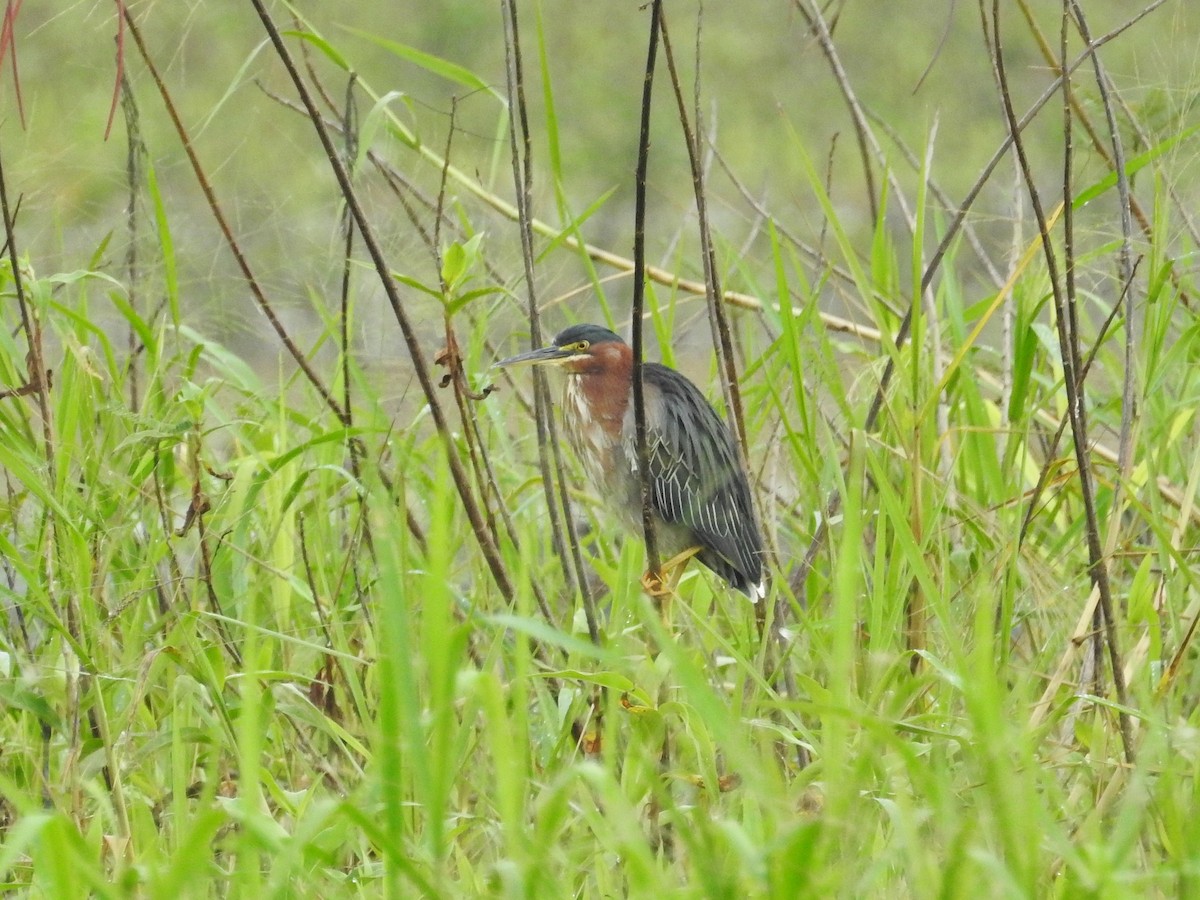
column 605, row 379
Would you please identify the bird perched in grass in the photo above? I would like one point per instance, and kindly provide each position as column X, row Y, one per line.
column 699, row 492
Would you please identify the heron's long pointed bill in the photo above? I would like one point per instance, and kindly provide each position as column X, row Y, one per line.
column 534, row 358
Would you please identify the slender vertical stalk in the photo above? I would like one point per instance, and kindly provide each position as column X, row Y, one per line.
column 134, row 153
column 639, row 294
column 550, row 459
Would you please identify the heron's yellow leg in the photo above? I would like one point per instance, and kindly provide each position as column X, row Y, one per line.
column 660, row 585
column 673, row 567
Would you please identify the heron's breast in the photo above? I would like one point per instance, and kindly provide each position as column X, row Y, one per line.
column 593, row 423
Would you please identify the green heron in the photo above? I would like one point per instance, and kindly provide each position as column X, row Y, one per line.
column 699, row 492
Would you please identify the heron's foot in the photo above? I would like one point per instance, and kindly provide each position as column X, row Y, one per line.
column 660, row 586
column 655, row 586
column 659, row 590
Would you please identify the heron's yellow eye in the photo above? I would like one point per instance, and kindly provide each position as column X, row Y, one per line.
column 580, row 346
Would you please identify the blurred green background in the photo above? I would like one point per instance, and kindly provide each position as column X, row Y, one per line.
column 767, row 91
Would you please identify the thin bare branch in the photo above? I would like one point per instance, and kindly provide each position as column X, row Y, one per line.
column 639, row 294
column 461, row 482
column 214, row 206
column 1069, row 351
column 550, row 459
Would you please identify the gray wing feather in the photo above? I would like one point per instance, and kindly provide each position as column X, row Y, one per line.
column 696, row 479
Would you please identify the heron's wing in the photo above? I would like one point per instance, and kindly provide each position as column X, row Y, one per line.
column 695, row 477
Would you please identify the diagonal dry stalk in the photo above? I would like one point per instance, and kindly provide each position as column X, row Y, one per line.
column 464, row 398
column 718, row 319
column 256, row 290
column 1125, row 272
column 1068, row 337
column 1051, row 453
column 1110, row 151
column 462, row 484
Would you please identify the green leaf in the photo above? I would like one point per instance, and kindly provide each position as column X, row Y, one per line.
column 380, row 115
column 16, row 696
column 417, row 285
column 136, row 322
column 435, row 64
column 233, row 367
column 464, row 300
column 547, row 634
column 1132, row 167
column 613, row 680
column 459, row 260
column 324, row 46
column 454, row 264
column 166, row 243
